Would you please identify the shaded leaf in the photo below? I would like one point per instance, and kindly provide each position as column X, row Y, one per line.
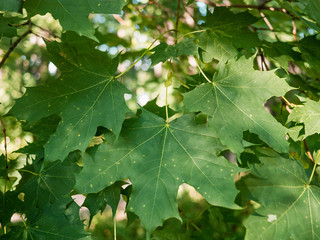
column 11, row 5
column 5, row 29
column 158, row 157
column 289, row 203
column 96, row 202
column 73, row 15
column 163, row 51
column 226, row 33
column 10, row 204
column 235, row 101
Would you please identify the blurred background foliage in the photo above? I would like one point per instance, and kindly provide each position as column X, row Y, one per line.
column 128, row 35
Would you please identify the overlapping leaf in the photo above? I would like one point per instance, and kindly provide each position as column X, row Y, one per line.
column 73, row 15
column 290, row 205
column 96, row 202
column 5, row 29
column 235, row 101
column 158, row 157
column 54, row 222
column 53, row 182
column 85, row 96
column 163, row 51
column 10, row 204
column 226, row 33
column 309, row 114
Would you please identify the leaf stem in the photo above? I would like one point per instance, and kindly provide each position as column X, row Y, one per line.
column 115, row 226
column 289, row 103
column 144, row 53
column 24, row 170
column 314, row 167
column 203, row 74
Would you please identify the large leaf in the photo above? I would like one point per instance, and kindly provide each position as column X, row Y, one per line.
column 85, row 96
column 73, row 15
column 226, row 33
column 309, row 115
column 158, row 157
column 290, row 205
column 235, row 101
column 11, row 5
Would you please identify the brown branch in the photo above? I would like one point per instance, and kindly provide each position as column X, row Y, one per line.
column 308, row 151
column 268, row 24
column 294, row 30
column 13, row 46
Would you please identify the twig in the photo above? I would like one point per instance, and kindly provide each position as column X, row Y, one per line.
column 308, row 151
column 294, row 30
column 45, row 30
column 13, row 46
column 268, row 24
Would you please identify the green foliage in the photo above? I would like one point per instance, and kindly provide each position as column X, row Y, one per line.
column 191, row 121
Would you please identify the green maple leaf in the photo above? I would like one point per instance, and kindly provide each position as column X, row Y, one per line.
column 163, row 51
column 310, row 50
column 96, row 202
column 158, row 157
column 56, row 221
column 309, row 115
column 51, row 183
column 226, row 33
column 5, row 29
column 290, row 205
column 10, row 204
column 235, row 101
column 313, row 9
column 85, row 96
column 11, row 6
column 73, row 15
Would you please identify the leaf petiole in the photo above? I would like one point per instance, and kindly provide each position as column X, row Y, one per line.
column 203, row 74
column 314, row 167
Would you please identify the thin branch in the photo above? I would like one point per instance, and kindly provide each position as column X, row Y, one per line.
column 294, row 30
column 13, row 46
column 268, row 24
column 45, row 30
column 308, row 151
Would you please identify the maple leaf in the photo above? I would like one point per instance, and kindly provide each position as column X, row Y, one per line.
column 85, row 96
column 290, row 204
column 11, row 6
column 53, row 222
column 226, row 33
column 73, row 15
column 158, row 157
column 309, row 115
column 235, row 101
